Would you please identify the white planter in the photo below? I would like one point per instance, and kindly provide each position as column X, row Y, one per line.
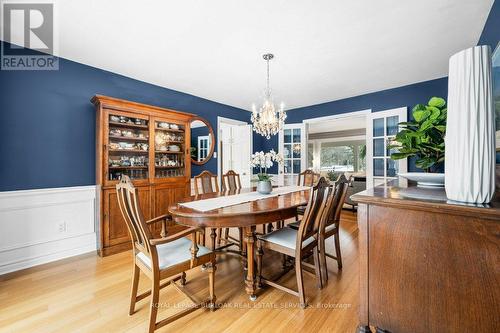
column 470, row 130
column 425, row 179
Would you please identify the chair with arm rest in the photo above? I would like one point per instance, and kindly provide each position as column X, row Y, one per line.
column 297, row 243
column 166, row 258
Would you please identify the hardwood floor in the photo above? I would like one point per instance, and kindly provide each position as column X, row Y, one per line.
column 91, row 294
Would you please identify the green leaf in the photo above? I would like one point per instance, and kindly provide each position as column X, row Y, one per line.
column 426, row 125
column 437, row 102
column 421, row 115
column 435, row 112
column 399, row 156
column 441, row 128
column 425, row 163
column 408, row 123
column 418, row 107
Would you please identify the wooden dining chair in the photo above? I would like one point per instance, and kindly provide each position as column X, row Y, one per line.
column 306, row 178
column 166, row 258
column 331, row 226
column 206, row 182
column 231, row 183
column 297, row 243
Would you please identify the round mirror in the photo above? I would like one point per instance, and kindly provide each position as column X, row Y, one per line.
column 202, row 141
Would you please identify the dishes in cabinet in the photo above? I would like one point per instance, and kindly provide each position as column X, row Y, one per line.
column 126, row 145
column 114, row 145
column 115, row 132
column 142, row 146
column 163, row 125
column 128, row 133
column 128, row 161
column 174, row 126
column 174, row 148
column 114, row 118
column 165, row 161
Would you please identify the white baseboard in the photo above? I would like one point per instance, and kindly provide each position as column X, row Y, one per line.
column 44, row 225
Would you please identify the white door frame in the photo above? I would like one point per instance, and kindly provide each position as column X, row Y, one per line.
column 362, row 113
column 338, row 116
column 230, row 122
column 402, row 112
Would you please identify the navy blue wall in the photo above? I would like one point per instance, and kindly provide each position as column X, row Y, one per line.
column 491, row 30
column 47, row 123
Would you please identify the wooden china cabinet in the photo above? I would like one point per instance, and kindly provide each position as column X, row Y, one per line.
column 148, row 144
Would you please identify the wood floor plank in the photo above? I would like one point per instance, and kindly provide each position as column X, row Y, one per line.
column 91, row 294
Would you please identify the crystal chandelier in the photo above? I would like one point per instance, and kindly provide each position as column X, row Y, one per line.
column 268, row 120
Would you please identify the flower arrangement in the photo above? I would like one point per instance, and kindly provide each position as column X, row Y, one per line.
column 264, row 161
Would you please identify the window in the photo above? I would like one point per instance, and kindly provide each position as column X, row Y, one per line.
column 203, row 147
column 345, row 156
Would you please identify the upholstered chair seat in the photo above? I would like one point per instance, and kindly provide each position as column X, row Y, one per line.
column 286, row 237
column 173, row 253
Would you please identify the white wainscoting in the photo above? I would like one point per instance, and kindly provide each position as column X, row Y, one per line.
column 44, row 225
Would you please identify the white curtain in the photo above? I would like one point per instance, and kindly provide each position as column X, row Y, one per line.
column 470, row 131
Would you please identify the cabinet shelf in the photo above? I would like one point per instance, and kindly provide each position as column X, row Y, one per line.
column 168, row 152
column 127, row 167
column 170, row 130
column 127, row 138
column 114, row 123
column 130, row 151
column 168, row 167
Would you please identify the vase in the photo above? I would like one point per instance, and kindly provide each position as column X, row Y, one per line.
column 264, row 187
column 470, row 130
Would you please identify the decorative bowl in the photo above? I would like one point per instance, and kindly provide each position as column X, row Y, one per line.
column 424, row 179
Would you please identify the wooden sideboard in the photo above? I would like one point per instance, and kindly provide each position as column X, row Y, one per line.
column 134, row 139
column 426, row 264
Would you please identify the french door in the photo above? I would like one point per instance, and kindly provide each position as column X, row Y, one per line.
column 381, row 128
column 235, row 150
column 293, row 147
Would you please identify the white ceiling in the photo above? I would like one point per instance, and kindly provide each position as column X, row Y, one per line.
column 325, row 49
column 340, row 124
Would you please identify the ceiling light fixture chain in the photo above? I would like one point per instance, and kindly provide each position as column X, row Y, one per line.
column 268, row 120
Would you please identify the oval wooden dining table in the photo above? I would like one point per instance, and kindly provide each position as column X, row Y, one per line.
column 245, row 215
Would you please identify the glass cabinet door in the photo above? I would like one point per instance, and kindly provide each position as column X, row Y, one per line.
column 169, row 139
column 127, row 147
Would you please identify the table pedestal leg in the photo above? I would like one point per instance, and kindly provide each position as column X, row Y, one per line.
column 243, row 248
column 250, row 278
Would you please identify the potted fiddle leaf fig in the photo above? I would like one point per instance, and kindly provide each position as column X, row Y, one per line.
column 423, row 138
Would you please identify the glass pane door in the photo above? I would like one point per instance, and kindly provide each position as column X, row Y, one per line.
column 382, row 128
column 291, row 146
